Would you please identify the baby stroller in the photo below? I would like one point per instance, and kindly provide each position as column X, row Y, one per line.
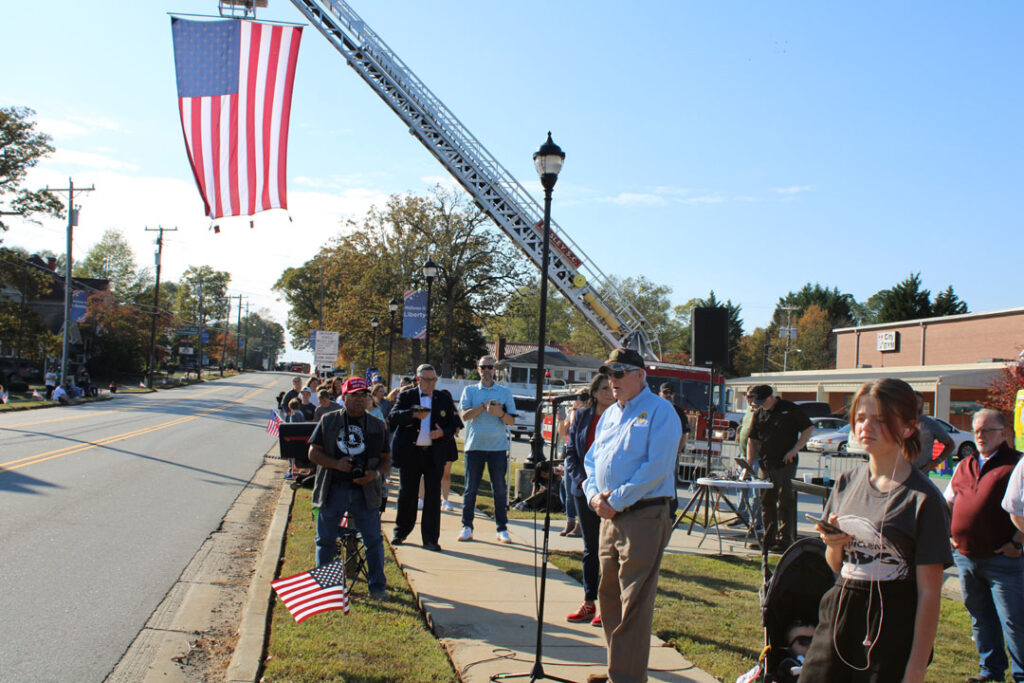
column 789, row 597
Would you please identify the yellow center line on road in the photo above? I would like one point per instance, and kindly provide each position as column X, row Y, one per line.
column 113, row 411
column 68, row 450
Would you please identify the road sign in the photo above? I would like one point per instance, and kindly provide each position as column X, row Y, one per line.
column 189, row 330
column 325, row 349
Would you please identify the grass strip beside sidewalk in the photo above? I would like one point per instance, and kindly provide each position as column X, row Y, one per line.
column 376, row 641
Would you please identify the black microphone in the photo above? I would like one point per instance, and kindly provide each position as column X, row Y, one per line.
column 582, row 396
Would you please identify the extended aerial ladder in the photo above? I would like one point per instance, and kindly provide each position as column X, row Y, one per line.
column 493, row 188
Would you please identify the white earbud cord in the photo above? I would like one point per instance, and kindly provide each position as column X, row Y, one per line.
column 869, row 643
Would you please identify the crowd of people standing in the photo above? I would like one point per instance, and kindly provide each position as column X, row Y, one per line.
column 888, row 530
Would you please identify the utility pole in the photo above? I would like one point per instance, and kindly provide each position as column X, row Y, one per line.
column 72, row 222
column 788, row 335
column 246, row 337
column 156, row 298
column 199, row 366
column 321, row 295
column 238, row 336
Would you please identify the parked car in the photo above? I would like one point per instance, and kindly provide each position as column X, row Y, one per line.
column 526, row 409
column 18, row 370
column 834, row 441
column 963, row 442
column 815, row 408
column 827, row 424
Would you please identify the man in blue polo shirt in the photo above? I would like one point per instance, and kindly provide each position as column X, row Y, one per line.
column 486, row 408
column 630, row 483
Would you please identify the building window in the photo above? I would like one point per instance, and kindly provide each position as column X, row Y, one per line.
column 520, row 375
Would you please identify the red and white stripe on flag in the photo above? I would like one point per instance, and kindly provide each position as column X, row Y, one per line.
column 318, row 590
column 237, row 143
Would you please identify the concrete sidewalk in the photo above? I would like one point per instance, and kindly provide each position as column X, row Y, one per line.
column 480, row 599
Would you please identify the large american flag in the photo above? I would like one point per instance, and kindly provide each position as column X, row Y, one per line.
column 318, row 590
column 234, row 96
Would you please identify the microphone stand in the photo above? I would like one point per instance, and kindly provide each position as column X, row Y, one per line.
column 537, row 672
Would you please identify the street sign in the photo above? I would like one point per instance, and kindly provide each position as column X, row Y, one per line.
column 325, row 349
column 185, row 350
column 189, row 330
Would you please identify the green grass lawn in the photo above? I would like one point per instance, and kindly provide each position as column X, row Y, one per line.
column 376, row 641
column 707, row 608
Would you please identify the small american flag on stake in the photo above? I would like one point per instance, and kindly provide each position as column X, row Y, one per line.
column 274, row 423
column 318, row 590
column 234, row 96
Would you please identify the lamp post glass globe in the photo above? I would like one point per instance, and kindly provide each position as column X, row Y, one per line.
column 374, row 322
column 548, row 158
column 430, row 269
column 393, row 306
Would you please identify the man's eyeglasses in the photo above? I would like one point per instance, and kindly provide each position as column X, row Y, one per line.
column 486, row 367
column 988, row 429
column 619, row 374
column 428, row 379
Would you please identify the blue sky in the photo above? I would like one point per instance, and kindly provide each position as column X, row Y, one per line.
column 747, row 148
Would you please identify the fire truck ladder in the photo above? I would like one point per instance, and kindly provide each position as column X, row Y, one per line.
column 494, row 189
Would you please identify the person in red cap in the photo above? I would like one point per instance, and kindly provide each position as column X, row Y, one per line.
column 353, row 458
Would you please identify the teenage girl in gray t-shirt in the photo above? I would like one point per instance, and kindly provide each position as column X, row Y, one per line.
column 878, row 622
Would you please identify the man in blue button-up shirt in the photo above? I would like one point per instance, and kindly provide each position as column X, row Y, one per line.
column 629, row 485
column 487, row 408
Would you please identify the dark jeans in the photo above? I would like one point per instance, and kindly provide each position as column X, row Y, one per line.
column 778, row 504
column 367, row 522
column 993, row 592
column 591, row 525
column 497, row 466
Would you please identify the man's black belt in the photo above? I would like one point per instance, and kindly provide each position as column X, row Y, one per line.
column 422, row 448
column 646, row 503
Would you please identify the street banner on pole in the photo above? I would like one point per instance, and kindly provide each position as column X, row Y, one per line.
column 414, row 316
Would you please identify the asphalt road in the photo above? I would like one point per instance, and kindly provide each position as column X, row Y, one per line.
column 103, row 505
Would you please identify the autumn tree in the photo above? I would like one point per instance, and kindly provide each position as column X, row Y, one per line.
column 1002, row 392
column 21, row 327
column 112, row 259
column 200, row 294
column 21, row 148
column 384, row 255
column 120, row 334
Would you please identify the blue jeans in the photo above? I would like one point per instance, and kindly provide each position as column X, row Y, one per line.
column 568, row 502
column 367, row 522
column 993, row 592
column 497, row 466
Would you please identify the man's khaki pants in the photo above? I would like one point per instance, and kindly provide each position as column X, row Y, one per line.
column 631, row 547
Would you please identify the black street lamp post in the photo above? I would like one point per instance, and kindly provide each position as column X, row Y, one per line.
column 374, row 323
column 429, row 272
column 392, row 309
column 548, row 160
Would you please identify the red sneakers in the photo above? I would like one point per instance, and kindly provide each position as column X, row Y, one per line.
column 585, row 613
column 596, row 621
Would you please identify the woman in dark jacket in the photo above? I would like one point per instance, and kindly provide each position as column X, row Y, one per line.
column 581, row 436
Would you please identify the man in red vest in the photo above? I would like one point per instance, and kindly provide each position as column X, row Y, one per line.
column 988, row 549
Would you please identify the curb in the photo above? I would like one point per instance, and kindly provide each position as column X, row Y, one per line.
column 252, row 631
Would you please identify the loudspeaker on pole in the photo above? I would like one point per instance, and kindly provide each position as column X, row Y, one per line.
column 710, row 329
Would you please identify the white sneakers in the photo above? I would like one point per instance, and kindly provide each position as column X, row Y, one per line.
column 446, row 506
column 467, row 534
column 419, row 504
column 503, row 537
